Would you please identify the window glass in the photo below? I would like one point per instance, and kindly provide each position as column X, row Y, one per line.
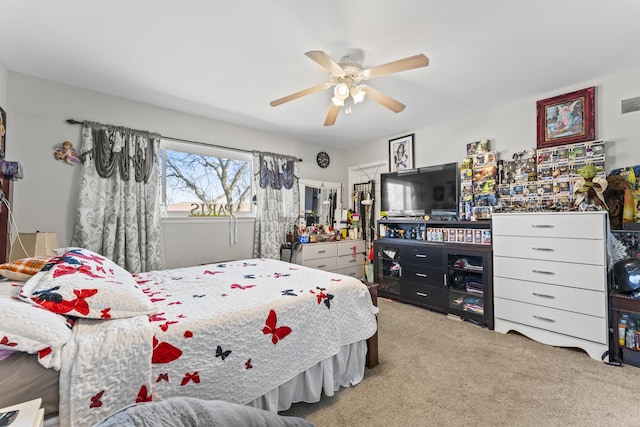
column 200, row 181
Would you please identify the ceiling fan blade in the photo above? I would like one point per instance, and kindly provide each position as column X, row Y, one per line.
column 382, row 99
column 300, row 94
column 332, row 114
column 325, row 62
column 405, row 64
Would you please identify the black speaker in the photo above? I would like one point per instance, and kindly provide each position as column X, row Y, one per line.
column 626, row 275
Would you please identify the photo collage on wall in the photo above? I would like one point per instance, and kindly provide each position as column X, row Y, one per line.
column 558, row 169
column 546, row 177
column 478, row 181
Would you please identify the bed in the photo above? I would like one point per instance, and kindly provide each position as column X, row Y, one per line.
column 257, row 332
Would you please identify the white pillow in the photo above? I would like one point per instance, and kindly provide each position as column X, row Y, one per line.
column 32, row 329
column 83, row 283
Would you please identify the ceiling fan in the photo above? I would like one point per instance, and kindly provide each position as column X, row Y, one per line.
column 345, row 78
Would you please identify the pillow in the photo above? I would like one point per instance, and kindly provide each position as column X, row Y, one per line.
column 83, row 283
column 31, row 329
column 24, row 268
column 10, row 289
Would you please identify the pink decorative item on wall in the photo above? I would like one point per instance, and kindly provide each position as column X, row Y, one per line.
column 66, row 152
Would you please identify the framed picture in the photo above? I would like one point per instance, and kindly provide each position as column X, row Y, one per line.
column 567, row 118
column 401, row 153
column 3, row 132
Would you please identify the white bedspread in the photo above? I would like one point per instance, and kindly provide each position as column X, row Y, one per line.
column 230, row 331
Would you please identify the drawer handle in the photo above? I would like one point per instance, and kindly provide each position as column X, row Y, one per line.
column 543, row 249
column 546, row 319
column 421, row 256
column 353, row 260
column 421, row 294
column 543, row 295
column 421, row 275
column 541, row 226
column 322, row 252
column 543, row 272
column 322, row 266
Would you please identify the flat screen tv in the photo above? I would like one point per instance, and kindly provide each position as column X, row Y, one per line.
column 431, row 190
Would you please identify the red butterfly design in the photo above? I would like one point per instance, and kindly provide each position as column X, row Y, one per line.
column 5, row 342
column 188, row 334
column 166, row 324
column 157, row 299
column 212, row 272
column 277, row 333
column 195, row 377
column 157, row 317
column 175, row 303
column 247, row 364
column 238, row 286
column 95, row 400
column 105, row 313
column 163, row 377
column 44, row 352
column 163, row 352
column 143, row 396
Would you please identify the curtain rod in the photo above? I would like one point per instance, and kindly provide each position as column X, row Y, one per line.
column 204, row 144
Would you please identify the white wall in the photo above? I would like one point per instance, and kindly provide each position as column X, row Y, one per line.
column 46, row 198
column 3, row 86
column 512, row 128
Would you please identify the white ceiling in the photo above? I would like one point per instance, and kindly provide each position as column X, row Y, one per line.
column 228, row 60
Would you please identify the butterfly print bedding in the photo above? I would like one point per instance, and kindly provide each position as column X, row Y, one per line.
column 231, row 331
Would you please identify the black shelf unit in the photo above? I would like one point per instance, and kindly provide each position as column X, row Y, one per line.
column 446, row 276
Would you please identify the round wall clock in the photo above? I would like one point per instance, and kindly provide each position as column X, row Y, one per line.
column 323, row 159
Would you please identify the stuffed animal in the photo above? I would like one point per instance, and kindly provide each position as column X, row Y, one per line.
column 589, row 187
column 614, row 198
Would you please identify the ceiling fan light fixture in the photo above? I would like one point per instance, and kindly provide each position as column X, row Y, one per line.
column 341, row 91
column 357, row 94
column 337, row 102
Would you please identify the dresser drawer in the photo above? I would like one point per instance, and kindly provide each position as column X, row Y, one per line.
column 423, row 275
column 326, row 264
column 318, row 250
column 428, row 255
column 559, row 297
column 356, row 271
column 585, row 225
column 582, row 251
column 348, row 247
column 424, row 295
column 577, row 325
column 584, row 276
column 350, row 261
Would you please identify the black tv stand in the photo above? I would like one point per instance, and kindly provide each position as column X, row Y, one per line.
column 416, row 264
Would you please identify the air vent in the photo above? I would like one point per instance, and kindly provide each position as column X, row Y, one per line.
column 630, row 105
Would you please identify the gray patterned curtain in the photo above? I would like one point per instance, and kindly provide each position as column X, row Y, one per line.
column 118, row 210
column 278, row 203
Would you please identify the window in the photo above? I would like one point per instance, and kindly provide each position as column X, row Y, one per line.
column 200, row 181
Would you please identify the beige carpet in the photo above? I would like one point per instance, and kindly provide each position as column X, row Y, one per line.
column 435, row 371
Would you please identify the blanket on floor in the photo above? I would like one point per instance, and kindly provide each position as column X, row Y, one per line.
column 191, row 412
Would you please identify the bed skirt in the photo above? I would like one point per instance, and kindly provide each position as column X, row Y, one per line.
column 344, row 369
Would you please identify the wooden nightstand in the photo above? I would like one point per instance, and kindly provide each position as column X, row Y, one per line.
column 30, row 415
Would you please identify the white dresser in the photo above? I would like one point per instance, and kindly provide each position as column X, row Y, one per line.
column 550, row 278
column 344, row 256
